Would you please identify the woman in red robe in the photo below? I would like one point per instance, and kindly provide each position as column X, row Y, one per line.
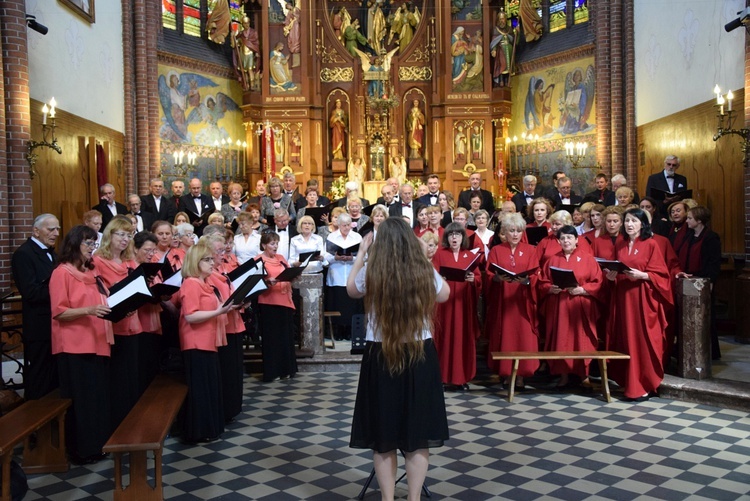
column 571, row 313
column 550, row 246
column 639, row 321
column 456, row 324
column 511, row 320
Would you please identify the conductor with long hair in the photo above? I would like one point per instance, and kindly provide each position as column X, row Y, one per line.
column 400, row 403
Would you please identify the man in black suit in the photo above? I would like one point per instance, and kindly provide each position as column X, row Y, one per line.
column 550, row 192
column 178, row 191
column 565, row 195
column 260, row 190
column 145, row 220
column 407, row 206
column 390, row 196
column 475, row 182
column 32, row 264
column 618, row 181
column 289, row 185
column 218, row 198
column 529, row 193
column 433, row 187
column 349, row 187
column 668, row 181
column 601, row 194
column 156, row 203
column 107, row 205
column 196, row 203
column 285, row 231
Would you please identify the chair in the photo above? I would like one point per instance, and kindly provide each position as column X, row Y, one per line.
column 329, row 316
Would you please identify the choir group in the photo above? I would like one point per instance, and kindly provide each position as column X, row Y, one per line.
column 527, row 282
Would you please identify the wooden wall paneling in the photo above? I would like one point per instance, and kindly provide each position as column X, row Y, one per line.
column 714, row 170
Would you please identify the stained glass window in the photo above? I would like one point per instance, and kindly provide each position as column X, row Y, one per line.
column 191, row 15
column 580, row 12
column 168, row 19
column 557, row 15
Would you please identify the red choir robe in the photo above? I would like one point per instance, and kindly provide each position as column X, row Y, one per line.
column 572, row 320
column 550, row 246
column 525, row 239
column 639, row 320
column 673, row 265
column 604, row 248
column 511, row 320
column 456, row 321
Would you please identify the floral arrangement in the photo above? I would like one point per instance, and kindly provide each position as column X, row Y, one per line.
column 415, row 183
column 338, row 188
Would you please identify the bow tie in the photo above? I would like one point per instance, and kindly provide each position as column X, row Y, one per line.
column 670, row 177
column 279, row 230
column 406, row 205
column 49, row 250
column 196, row 198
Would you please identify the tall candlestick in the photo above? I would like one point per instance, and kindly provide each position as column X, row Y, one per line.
column 730, row 96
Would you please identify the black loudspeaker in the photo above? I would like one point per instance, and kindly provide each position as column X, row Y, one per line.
column 358, row 334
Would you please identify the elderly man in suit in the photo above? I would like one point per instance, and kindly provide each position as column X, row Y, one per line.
column 565, row 195
column 529, row 193
column 475, row 183
column 144, row 219
column 667, row 180
column 107, row 205
column 407, row 207
column 156, row 203
column 218, row 198
column 197, row 204
column 32, row 264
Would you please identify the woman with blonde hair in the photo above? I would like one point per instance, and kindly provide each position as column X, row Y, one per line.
column 447, row 205
column 203, row 323
column 113, row 261
column 307, row 241
column 377, row 216
column 333, row 224
column 400, row 403
column 235, row 205
column 276, row 199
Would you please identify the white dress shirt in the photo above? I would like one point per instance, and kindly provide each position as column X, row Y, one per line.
column 246, row 249
column 338, row 271
column 298, row 245
column 217, row 203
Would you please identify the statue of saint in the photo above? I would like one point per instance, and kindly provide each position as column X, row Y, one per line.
column 338, row 125
column 397, row 168
column 415, row 130
column 356, row 172
column 502, row 48
column 246, row 55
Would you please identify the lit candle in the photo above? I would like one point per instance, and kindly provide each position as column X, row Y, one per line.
column 45, row 110
column 720, row 102
column 730, row 96
column 717, row 91
column 52, row 104
column 175, row 155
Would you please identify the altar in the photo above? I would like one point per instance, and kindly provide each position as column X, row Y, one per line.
column 372, row 190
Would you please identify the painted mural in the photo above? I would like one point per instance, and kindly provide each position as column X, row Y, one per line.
column 555, row 102
column 198, row 109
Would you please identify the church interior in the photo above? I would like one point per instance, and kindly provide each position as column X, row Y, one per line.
column 237, row 91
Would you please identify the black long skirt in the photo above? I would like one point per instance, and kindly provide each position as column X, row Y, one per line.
column 84, row 378
column 279, row 357
column 126, row 378
column 337, row 299
column 405, row 411
column 204, row 413
column 148, row 356
column 230, row 358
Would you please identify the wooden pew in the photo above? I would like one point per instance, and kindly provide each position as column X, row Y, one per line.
column 144, row 429
column 45, row 454
column 601, row 356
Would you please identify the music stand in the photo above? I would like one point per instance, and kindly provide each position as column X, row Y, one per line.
column 362, row 493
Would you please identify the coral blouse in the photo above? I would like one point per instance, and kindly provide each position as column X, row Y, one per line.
column 281, row 293
column 197, row 295
column 71, row 288
column 111, row 273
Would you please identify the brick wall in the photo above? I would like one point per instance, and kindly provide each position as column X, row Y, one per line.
column 15, row 184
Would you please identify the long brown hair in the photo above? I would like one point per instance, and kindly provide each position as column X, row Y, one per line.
column 402, row 304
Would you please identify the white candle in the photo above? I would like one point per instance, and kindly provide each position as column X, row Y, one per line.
column 730, row 96
column 720, row 102
column 45, row 110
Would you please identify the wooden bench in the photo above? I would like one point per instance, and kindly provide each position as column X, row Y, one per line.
column 144, row 429
column 44, row 454
column 601, row 356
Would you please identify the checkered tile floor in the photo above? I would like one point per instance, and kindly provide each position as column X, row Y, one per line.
column 291, row 443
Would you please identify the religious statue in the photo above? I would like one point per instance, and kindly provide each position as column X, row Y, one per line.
column 279, row 74
column 459, row 144
column 245, row 55
column 295, row 147
column 410, row 20
column 530, row 20
column 340, row 20
column 278, row 147
column 476, row 143
column 376, row 70
column 218, row 22
column 338, row 125
column 397, row 168
column 376, row 25
column 352, row 37
column 356, row 172
column 415, row 130
column 502, row 49
column 292, row 13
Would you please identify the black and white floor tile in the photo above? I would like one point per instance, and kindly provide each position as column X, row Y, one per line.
column 291, row 443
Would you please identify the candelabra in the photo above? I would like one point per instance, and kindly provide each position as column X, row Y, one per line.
column 726, row 121
column 31, row 145
column 575, row 152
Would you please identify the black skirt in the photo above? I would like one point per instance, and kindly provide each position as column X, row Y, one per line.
column 337, row 299
column 405, row 411
column 230, row 358
column 204, row 412
column 279, row 356
column 126, row 376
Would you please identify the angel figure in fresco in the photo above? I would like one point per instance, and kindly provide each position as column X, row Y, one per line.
column 292, row 12
column 578, row 102
column 177, row 93
column 378, row 68
column 209, row 113
column 279, row 74
column 538, row 107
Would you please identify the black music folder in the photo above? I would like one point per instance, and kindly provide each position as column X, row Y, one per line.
column 127, row 295
column 535, row 234
column 565, row 279
column 318, row 213
column 660, row 195
column 203, row 217
column 306, row 256
column 342, row 251
column 459, row 274
column 617, row 266
column 169, row 286
column 499, row 270
column 252, row 285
